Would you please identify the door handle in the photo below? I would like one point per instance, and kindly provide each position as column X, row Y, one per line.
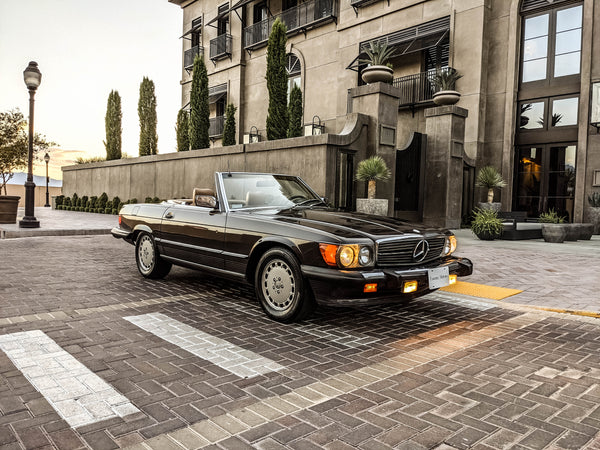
column 169, row 215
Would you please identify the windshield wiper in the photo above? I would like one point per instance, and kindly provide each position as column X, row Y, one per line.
column 309, row 202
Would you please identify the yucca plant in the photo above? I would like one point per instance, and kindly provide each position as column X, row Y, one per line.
column 372, row 170
column 378, row 53
column 489, row 178
column 551, row 217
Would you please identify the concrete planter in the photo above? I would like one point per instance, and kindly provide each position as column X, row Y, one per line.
column 9, row 205
column 585, row 231
column 554, row 232
column 374, row 74
column 442, row 98
column 594, row 218
column 376, row 206
column 572, row 231
column 494, row 206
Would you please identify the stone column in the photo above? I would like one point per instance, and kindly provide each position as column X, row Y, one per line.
column 445, row 128
column 380, row 102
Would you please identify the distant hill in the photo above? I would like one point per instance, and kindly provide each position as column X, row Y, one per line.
column 21, row 178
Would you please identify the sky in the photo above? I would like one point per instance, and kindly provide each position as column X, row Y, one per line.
column 85, row 49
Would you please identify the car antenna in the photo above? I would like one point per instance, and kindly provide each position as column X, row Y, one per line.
column 228, row 170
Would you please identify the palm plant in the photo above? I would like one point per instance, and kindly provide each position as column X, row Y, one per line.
column 489, row 178
column 445, row 79
column 378, row 53
column 372, row 170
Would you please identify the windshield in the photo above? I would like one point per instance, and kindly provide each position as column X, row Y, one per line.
column 245, row 190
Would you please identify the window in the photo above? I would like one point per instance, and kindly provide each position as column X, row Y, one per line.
column 552, row 44
column 196, row 34
column 548, row 113
column 294, row 71
column 260, row 12
column 223, row 22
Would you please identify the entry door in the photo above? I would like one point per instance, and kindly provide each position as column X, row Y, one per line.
column 344, row 198
column 408, row 196
column 545, row 179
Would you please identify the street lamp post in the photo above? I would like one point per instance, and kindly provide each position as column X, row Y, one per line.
column 32, row 77
column 47, row 159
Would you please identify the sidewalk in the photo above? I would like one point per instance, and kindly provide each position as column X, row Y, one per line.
column 559, row 277
column 60, row 223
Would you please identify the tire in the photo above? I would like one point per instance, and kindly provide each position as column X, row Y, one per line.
column 282, row 291
column 149, row 262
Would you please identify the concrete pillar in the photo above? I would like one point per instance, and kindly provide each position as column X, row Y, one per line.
column 379, row 101
column 445, row 128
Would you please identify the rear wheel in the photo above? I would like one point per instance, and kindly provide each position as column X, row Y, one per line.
column 149, row 262
column 283, row 293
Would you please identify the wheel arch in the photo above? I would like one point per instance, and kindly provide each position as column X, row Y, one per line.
column 138, row 229
column 264, row 245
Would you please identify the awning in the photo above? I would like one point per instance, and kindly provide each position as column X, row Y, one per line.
column 240, row 4
column 410, row 40
column 219, row 17
column 195, row 29
column 217, row 92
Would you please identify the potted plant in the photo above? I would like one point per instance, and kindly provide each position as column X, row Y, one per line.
column 445, row 86
column 489, row 178
column 594, row 211
column 486, row 225
column 378, row 69
column 553, row 228
column 372, row 170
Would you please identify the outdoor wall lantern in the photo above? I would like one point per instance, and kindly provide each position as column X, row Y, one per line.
column 252, row 137
column 315, row 128
column 32, row 77
column 595, row 109
column 47, row 159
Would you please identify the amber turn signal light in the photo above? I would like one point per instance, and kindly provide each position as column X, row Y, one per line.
column 452, row 279
column 409, row 286
column 371, row 287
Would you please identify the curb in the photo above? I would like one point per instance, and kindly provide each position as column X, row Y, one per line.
column 7, row 234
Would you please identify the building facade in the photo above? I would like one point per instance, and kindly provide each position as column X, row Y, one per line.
column 529, row 82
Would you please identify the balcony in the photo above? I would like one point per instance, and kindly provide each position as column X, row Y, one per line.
column 298, row 19
column 357, row 3
column 189, row 56
column 220, row 47
column 416, row 89
column 217, row 124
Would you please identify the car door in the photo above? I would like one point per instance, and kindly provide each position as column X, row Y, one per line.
column 194, row 234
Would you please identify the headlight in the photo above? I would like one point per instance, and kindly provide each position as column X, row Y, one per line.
column 346, row 256
column 450, row 245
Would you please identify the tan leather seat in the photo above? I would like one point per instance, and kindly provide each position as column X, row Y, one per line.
column 204, row 197
column 256, row 198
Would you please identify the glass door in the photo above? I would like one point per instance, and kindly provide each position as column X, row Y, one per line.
column 545, row 179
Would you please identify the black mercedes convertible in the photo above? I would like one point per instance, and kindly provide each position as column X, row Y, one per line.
column 276, row 233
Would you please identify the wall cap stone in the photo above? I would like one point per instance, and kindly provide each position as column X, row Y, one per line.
column 445, row 110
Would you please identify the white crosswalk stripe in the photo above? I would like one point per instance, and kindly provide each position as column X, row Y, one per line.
column 226, row 355
column 77, row 394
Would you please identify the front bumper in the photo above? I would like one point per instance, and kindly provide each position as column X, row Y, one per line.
column 334, row 287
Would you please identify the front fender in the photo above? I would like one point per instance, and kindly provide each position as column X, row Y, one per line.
column 264, row 244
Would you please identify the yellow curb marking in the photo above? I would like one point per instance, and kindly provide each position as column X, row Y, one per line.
column 480, row 290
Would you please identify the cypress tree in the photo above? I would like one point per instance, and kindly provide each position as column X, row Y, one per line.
column 229, row 128
column 182, row 130
column 295, row 113
column 112, row 125
column 277, row 79
column 199, row 114
column 147, row 114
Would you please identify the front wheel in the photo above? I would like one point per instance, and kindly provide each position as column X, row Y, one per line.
column 149, row 262
column 283, row 293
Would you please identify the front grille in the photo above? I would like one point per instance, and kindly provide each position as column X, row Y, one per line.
column 399, row 252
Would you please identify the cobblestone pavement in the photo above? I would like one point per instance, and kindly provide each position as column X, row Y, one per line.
column 94, row 356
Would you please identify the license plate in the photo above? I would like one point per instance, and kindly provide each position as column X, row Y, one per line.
column 438, row 277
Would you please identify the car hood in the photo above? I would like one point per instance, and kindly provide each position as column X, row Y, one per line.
column 347, row 224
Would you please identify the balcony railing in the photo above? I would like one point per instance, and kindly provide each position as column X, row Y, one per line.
column 220, row 47
column 417, row 88
column 217, row 124
column 299, row 18
column 189, row 56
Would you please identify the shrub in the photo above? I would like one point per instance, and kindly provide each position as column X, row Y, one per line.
column 155, row 200
column 120, row 206
column 133, row 200
column 93, row 200
column 486, row 221
column 74, row 200
column 116, row 201
column 148, row 200
column 551, row 217
column 84, row 200
column 114, row 211
column 101, row 202
column 59, row 200
column 67, row 201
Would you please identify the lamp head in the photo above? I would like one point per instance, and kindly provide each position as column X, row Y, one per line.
column 47, row 158
column 32, row 76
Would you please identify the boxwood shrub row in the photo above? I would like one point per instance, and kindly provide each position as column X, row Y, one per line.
column 94, row 204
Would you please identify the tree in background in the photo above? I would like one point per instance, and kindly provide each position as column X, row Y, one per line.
column 295, row 113
column 229, row 128
column 182, row 130
column 277, row 79
column 147, row 114
column 14, row 145
column 112, row 125
column 199, row 112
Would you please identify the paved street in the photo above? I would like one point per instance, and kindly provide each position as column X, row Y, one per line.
column 94, row 356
